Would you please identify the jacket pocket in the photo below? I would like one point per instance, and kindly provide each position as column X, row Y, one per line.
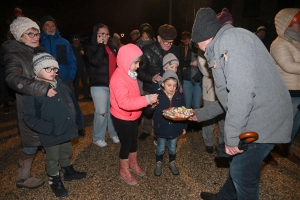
column 61, row 54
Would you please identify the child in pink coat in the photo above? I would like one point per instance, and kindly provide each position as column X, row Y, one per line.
column 126, row 108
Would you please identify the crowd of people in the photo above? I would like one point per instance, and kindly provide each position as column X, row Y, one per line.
column 227, row 75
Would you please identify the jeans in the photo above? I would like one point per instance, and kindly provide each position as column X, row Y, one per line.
column 208, row 127
column 296, row 113
column 29, row 150
column 61, row 154
column 163, row 142
column 102, row 117
column 127, row 132
column 244, row 173
column 192, row 94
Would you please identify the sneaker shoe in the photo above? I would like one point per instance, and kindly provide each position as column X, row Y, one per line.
column 100, row 143
column 116, row 139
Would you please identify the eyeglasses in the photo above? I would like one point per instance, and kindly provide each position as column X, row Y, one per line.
column 49, row 69
column 76, row 39
column 166, row 42
column 32, row 35
column 107, row 34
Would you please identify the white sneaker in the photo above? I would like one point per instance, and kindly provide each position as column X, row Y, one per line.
column 116, row 139
column 100, row 143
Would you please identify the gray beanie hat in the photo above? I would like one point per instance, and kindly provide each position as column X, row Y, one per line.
column 169, row 74
column 20, row 25
column 205, row 25
column 42, row 60
column 169, row 59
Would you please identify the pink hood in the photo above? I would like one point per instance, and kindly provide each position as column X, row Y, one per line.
column 127, row 55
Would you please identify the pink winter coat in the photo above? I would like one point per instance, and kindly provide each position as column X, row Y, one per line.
column 125, row 99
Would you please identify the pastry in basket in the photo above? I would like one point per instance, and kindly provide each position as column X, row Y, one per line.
column 178, row 112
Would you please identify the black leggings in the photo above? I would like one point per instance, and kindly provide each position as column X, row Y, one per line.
column 127, row 132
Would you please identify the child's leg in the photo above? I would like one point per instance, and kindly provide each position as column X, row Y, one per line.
column 172, row 144
column 65, row 152
column 52, row 158
column 160, row 149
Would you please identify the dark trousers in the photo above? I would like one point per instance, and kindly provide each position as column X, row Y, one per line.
column 244, row 173
column 85, row 86
column 127, row 132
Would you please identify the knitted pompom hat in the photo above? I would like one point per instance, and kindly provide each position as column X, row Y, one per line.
column 205, row 25
column 20, row 25
column 224, row 17
column 169, row 59
column 42, row 59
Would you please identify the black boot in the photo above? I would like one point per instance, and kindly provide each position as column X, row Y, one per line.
column 158, row 168
column 57, row 186
column 143, row 136
column 71, row 174
column 209, row 196
column 172, row 165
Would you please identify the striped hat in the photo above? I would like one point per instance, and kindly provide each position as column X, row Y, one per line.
column 42, row 60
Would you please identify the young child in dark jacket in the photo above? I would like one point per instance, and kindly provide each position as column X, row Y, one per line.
column 165, row 130
column 54, row 118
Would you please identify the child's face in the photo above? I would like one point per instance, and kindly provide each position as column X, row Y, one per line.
column 172, row 67
column 170, row 86
column 48, row 73
column 135, row 65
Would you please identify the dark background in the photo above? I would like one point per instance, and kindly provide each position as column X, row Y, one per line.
column 122, row 16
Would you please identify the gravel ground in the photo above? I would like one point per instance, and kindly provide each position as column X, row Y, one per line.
column 198, row 171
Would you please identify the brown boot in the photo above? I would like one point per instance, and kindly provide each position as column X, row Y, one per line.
column 125, row 173
column 133, row 165
column 270, row 160
column 24, row 177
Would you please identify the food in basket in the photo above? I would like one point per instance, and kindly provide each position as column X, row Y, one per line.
column 178, row 113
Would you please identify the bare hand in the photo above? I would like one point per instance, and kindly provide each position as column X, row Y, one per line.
column 181, row 89
column 232, row 150
column 194, row 63
column 155, row 104
column 156, row 78
column 183, row 132
column 82, row 52
column 153, row 98
column 193, row 118
column 51, row 92
column 100, row 39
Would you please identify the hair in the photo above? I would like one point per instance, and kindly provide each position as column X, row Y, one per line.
column 139, row 59
column 185, row 35
column 170, row 78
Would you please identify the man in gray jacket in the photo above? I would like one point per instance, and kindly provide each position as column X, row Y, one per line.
column 253, row 95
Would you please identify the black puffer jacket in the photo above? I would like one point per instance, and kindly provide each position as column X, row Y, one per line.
column 20, row 77
column 97, row 60
column 152, row 63
column 53, row 117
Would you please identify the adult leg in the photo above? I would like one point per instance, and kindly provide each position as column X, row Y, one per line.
column 85, row 85
column 188, row 93
column 197, row 95
column 244, row 173
column 111, row 129
column 100, row 97
column 76, row 86
column 24, row 178
column 208, row 128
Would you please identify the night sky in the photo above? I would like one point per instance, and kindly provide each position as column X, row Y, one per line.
column 79, row 16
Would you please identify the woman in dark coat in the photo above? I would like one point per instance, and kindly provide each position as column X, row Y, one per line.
column 19, row 75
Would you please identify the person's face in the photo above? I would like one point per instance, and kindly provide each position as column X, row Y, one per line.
column 134, row 37
column 261, row 34
column 296, row 26
column 145, row 37
column 173, row 67
column 49, row 28
column 31, row 37
column 202, row 45
column 76, row 41
column 165, row 44
column 48, row 73
column 135, row 65
column 104, row 34
column 170, row 86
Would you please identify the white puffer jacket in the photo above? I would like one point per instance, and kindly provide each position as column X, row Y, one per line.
column 286, row 52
